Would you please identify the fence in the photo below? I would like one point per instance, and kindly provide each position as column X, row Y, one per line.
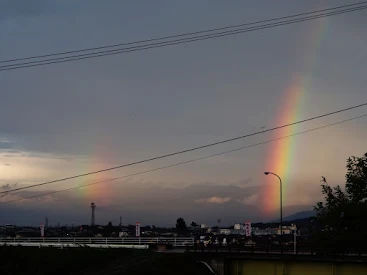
column 277, row 250
column 174, row 242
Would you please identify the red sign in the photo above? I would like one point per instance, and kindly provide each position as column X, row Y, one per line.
column 248, row 229
column 137, row 229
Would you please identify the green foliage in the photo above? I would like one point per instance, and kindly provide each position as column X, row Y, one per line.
column 341, row 218
column 356, row 178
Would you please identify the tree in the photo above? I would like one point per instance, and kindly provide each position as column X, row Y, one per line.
column 356, row 185
column 341, row 219
column 181, row 225
column 109, row 224
column 194, row 224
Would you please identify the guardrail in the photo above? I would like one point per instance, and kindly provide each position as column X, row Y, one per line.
column 174, row 242
column 287, row 250
column 71, row 245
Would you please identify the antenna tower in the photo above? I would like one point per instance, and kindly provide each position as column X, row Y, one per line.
column 93, row 220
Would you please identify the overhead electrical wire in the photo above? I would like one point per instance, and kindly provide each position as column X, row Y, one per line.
column 188, row 150
column 185, row 162
column 184, row 34
column 161, row 44
column 167, row 43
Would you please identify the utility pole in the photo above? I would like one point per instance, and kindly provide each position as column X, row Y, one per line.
column 93, row 219
column 295, row 242
column 281, row 207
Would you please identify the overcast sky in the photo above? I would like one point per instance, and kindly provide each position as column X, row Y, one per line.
column 71, row 118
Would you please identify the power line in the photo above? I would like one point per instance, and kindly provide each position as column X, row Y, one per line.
column 166, row 43
column 188, row 150
column 161, row 44
column 185, row 162
column 183, row 34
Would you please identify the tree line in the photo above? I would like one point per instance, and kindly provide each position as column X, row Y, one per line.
column 341, row 219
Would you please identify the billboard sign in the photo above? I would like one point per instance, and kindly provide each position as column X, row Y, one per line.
column 137, row 229
column 248, row 228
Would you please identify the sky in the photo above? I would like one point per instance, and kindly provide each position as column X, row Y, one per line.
column 72, row 118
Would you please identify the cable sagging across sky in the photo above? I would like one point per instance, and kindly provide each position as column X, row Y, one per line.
column 169, row 41
column 184, row 34
column 189, row 150
column 186, row 162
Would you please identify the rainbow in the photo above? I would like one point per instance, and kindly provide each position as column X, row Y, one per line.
column 98, row 193
column 280, row 159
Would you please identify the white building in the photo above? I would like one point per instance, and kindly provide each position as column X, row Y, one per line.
column 237, row 226
column 225, row 231
column 287, row 230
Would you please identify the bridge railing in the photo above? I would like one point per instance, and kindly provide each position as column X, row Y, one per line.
column 175, row 242
column 277, row 249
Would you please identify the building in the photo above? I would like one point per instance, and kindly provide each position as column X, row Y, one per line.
column 287, row 230
column 225, row 231
column 262, row 232
column 237, row 226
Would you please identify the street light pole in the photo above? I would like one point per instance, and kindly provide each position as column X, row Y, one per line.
column 295, row 242
column 281, row 203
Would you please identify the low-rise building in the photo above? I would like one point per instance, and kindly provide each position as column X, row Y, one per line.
column 225, row 231
column 287, row 230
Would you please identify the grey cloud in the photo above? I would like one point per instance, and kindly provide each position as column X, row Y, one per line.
column 5, row 186
column 10, row 153
column 215, row 200
column 5, row 145
column 9, row 185
column 203, row 202
column 249, row 200
column 133, row 106
column 15, row 9
column 144, row 203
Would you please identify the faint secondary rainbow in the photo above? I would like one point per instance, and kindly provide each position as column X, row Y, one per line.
column 98, row 193
column 281, row 155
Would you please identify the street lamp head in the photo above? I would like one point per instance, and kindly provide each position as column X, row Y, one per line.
column 266, row 173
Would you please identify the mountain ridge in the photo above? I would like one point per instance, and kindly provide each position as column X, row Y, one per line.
column 298, row 216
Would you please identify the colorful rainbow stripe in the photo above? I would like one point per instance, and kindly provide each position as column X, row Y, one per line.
column 281, row 155
column 280, row 159
column 98, row 193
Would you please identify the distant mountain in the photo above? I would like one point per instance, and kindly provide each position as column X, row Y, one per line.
column 297, row 216
column 300, row 215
